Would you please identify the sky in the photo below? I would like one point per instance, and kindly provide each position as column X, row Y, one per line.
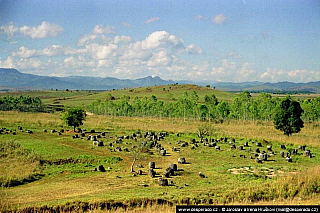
column 207, row 40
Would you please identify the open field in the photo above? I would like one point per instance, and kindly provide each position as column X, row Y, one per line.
column 165, row 93
column 57, row 171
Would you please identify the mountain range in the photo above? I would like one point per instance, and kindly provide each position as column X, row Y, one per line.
column 12, row 79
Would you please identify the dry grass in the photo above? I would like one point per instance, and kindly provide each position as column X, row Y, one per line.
column 145, row 209
column 309, row 135
column 61, row 188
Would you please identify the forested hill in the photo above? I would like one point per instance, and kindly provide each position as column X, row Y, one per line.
column 12, row 78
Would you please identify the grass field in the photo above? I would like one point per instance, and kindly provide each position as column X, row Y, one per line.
column 47, row 170
column 165, row 93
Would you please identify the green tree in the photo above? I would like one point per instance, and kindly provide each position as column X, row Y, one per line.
column 288, row 116
column 74, row 117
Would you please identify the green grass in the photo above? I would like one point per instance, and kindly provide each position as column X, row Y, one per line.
column 74, row 179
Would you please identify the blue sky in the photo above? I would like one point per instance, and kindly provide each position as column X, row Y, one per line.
column 217, row 40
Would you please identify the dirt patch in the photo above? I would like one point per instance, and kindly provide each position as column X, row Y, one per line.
column 269, row 172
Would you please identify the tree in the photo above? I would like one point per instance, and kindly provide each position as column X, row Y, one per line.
column 74, row 117
column 287, row 116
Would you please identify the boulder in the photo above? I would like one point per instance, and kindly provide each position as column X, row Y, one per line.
column 182, row 160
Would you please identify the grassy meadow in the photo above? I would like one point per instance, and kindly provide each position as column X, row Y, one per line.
column 47, row 171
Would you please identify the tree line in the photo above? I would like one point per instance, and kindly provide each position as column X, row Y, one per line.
column 21, row 103
column 243, row 107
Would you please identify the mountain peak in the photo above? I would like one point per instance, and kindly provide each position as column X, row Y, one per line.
column 9, row 71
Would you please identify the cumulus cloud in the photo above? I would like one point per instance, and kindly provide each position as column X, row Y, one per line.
column 9, row 30
column 44, row 30
column 98, row 33
column 30, row 63
column 118, row 56
column 49, row 51
column 152, row 20
column 24, row 52
column 8, row 63
column 161, row 58
column 219, row 19
column 276, row 75
column 231, row 71
column 193, row 49
column 100, row 29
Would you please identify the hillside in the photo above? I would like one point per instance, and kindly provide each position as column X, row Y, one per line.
column 279, row 87
column 15, row 80
column 84, row 98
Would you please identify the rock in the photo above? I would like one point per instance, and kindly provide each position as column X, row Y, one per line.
column 163, row 181
column 201, row 175
column 173, row 166
column 240, row 147
column 101, row 168
column 182, row 160
column 163, row 152
column 151, row 173
column 258, row 160
column 152, row 165
column 289, row 159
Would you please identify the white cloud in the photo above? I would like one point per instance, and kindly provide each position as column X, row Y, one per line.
column 152, row 20
column 118, row 56
column 86, row 38
column 193, row 49
column 44, row 30
column 78, row 63
column 99, row 52
column 234, row 55
column 9, row 30
column 201, row 67
column 54, row 50
column 98, row 33
column 122, row 39
column 231, row 71
column 161, row 58
column 24, row 52
column 30, row 63
column 276, row 75
column 99, row 30
column 219, row 19
column 200, row 17
column 8, row 63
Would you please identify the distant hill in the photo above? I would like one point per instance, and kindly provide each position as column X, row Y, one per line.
column 13, row 79
column 256, row 86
